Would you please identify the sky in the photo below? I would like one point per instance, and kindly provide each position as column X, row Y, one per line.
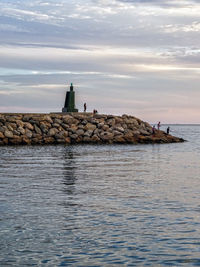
column 136, row 57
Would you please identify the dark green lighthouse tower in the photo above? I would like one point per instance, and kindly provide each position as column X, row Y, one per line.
column 70, row 101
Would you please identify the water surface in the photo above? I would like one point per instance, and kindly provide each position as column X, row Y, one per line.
column 106, row 205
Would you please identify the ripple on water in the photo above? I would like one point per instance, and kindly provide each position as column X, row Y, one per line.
column 101, row 205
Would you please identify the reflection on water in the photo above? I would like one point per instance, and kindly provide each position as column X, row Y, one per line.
column 101, row 205
column 69, row 168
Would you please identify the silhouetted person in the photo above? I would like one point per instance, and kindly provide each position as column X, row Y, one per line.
column 158, row 125
column 168, row 129
column 85, row 107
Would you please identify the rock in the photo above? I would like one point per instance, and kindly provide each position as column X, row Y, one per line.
column 28, row 133
column 70, row 120
column 95, row 138
column 1, row 135
column 15, row 132
column 28, row 125
column 110, row 122
column 26, row 140
column 10, row 128
column 44, row 126
column 90, row 126
column 86, row 139
column 79, row 139
column 73, row 136
column 115, row 132
column 37, row 140
column 105, row 127
column 67, row 140
column 16, row 140
column 96, row 132
column 65, row 126
column 5, row 141
column 20, row 123
column 84, row 122
column 26, row 118
column 37, row 129
column 129, row 138
column 61, row 135
column 21, row 130
column 52, row 132
column 49, row 140
column 119, row 129
column 80, row 132
column 48, row 119
column 8, row 134
column 2, row 129
column 100, row 125
column 13, row 118
column 60, row 141
column 56, row 125
column 106, row 136
column 58, row 121
column 2, row 119
column 119, row 139
column 144, row 132
column 73, row 129
column 118, row 120
column 88, row 133
column 80, row 126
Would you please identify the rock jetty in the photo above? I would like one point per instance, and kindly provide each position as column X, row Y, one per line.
column 73, row 128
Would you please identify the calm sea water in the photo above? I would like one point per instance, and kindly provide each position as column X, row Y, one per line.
column 107, row 205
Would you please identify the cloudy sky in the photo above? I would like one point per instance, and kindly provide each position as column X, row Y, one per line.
column 139, row 57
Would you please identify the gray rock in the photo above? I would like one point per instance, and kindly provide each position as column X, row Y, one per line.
column 56, row 125
column 73, row 136
column 21, row 130
column 65, row 126
column 119, row 129
column 28, row 133
column 105, row 136
column 15, row 132
column 88, row 133
column 28, row 125
column 84, row 122
column 144, row 132
column 20, row 123
column 58, row 121
column 2, row 119
column 100, row 125
column 44, row 128
column 37, row 129
column 52, row 132
column 105, row 127
column 80, row 132
column 8, row 134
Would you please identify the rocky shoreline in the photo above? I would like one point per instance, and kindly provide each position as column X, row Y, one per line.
column 73, row 128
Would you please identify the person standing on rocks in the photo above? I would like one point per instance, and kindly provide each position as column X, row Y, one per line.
column 85, row 107
column 158, row 125
column 168, row 129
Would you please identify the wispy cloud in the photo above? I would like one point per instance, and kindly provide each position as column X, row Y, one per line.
column 139, row 55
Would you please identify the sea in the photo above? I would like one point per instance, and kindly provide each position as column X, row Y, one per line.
column 101, row 205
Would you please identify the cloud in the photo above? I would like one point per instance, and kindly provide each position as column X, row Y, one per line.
column 139, row 57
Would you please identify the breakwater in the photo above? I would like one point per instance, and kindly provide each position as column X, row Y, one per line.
column 72, row 128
